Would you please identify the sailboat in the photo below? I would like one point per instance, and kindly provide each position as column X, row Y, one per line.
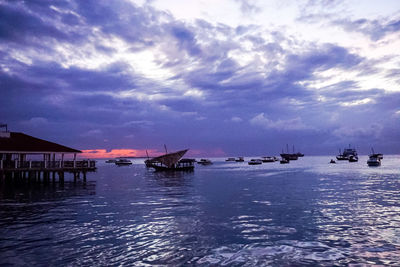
column 289, row 156
column 171, row 162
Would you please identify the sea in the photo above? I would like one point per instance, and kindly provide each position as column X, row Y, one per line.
column 305, row 213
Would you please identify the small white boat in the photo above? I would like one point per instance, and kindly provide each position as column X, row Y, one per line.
column 239, row 159
column 268, row 159
column 284, row 161
column 353, row 158
column 230, row 159
column 204, row 162
column 255, row 162
column 122, row 162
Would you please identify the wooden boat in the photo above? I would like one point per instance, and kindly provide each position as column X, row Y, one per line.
column 289, row 156
column 239, row 159
column 171, row 162
column 122, row 162
column 332, row 161
column 230, row 159
column 255, row 162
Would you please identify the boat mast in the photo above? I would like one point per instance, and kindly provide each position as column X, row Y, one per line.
column 166, row 152
column 147, row 154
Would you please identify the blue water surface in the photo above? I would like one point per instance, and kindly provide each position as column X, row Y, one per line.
column 308, row 212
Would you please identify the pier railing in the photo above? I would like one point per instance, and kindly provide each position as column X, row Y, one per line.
column 51, row 165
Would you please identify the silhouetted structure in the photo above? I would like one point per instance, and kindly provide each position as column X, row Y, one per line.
column 14, row 163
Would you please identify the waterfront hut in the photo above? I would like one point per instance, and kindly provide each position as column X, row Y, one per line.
column 21, row 153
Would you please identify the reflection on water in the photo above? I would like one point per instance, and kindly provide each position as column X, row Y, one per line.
column 308, row 212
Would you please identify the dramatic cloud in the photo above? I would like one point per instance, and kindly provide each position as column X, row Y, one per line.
column 226, row 78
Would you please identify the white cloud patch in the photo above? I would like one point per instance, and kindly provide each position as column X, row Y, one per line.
column 236, row 119
column 290, row 124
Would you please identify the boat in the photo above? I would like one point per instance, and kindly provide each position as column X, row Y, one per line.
column 111, row 161
column 268, row 159
column 230, row 159
column 374, row 159
column 284, row 161
column 255, row 162
column 299, row 154
column 376, row 155
column 332, row 161
column 353, row 158
column 204, row 162
column 289, row 156
column 122, row 162
column 171, row 162
column 347, row 153
column 240, row 159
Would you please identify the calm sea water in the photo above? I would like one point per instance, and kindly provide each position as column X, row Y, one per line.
column 308, row 212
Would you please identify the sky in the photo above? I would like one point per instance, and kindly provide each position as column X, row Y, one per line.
column 220, row 77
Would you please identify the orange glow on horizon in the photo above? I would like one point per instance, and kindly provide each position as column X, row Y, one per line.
column 115, row 153
column 128, row 152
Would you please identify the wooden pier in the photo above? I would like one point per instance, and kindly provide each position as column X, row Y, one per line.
column 15, row 165
column 45, row 171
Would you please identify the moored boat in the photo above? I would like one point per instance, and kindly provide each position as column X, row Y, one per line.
column 122, row 162
column 289, row 156
column 230, row 159
column 239, row 159
column 347, row 154
column 255, row 162
column 373, row 162
column 353, row 158
column 284, row 161
column 374, row 159
column 171, row 162
column 204, row 162
column 111, row 161
column 268, row 159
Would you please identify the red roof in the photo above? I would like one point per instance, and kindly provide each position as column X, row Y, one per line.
column 19, row 142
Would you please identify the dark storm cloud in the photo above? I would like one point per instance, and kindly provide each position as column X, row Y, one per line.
column 211, row 99
column 17, row 24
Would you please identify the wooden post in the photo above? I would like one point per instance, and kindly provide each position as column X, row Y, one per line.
column 74, row 160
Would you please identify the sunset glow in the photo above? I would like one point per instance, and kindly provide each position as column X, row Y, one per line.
column 115, row 153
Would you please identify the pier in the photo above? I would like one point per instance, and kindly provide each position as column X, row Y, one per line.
column 26, row 158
